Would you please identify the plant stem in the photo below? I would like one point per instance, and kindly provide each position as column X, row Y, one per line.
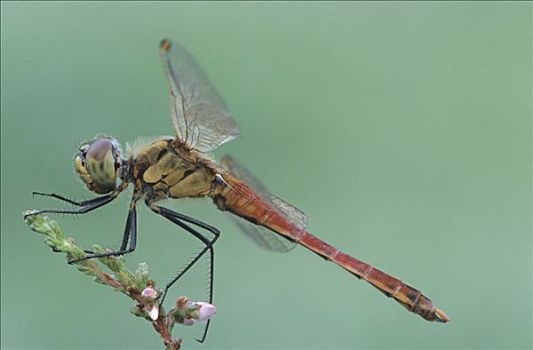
column 129, row 283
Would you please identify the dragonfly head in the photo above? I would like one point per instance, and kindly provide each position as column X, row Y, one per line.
column 98, row 164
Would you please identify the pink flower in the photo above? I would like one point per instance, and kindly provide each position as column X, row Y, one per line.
column 149, row 292
column 205, row 310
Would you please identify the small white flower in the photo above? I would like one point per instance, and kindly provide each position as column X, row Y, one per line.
column 154, row 312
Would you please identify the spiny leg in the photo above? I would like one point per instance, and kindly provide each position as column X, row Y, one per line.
column 58, row 196
column 191, row 220
column 178, row 219
column 130, row 234
column 84, row 207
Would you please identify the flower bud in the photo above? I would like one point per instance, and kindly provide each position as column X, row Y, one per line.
column 154, row 312
column 181, row 302
column 149, row 292
column 205, row 310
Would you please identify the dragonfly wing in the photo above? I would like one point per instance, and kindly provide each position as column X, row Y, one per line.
column 262, row 235
column 289, row 212
column 200, row 117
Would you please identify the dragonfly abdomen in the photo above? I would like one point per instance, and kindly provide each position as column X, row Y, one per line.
column 237, row 198
column 412, row 299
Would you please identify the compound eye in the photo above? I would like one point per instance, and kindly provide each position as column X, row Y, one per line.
column 101, row 165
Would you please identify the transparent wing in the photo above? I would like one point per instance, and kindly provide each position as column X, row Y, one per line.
column 201, row 119
column 259, row 234
column 263, row 237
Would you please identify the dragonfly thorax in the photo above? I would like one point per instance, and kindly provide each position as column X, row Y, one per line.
column 98, row 164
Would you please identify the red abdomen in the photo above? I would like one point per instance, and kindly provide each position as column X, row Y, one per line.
column 239, row 199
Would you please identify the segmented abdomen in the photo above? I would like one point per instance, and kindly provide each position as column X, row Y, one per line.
column 239, row 199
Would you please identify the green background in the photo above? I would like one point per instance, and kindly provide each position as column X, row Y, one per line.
column 403, row 130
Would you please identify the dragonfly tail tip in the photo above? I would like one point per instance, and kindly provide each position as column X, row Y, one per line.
column 440, row 316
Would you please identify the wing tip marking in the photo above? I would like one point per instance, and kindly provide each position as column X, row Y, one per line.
column 164, row 46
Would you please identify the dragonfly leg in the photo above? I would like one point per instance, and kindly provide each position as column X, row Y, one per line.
column 180, row 219
column 85, row 250
column 130, row 235
column 87, row 206
column 60, row 197
column 84, row 207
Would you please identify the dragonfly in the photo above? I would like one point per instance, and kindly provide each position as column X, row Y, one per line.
column 182, row 166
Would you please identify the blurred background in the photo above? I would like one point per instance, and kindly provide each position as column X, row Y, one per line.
column 401, row 129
